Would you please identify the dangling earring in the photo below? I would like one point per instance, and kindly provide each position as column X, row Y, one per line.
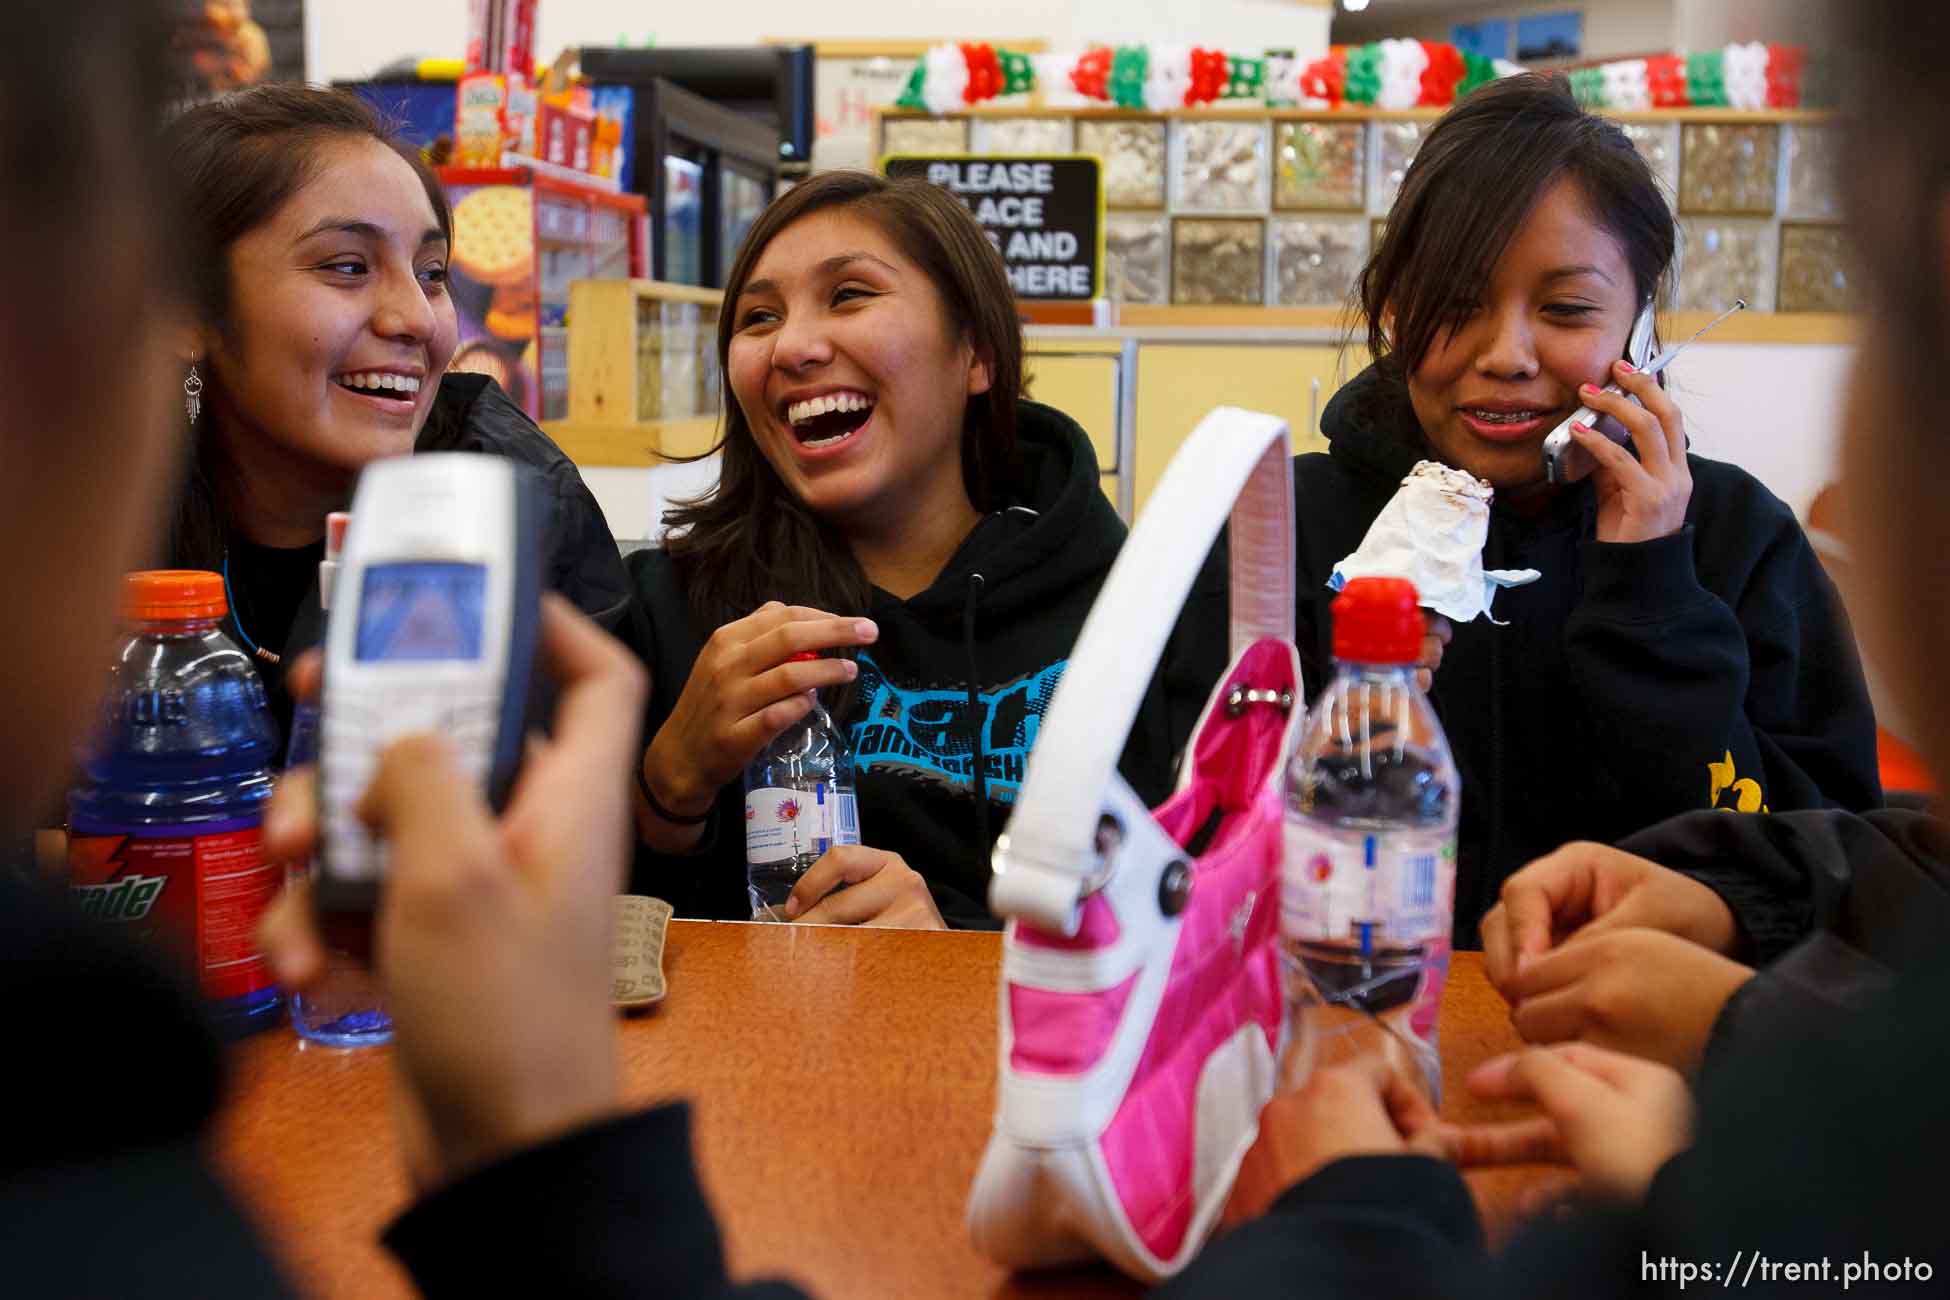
column 193, row 392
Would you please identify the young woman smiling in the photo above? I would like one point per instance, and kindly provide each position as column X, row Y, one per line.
column 888, row 494
column 1683, row 649
column 319, row 251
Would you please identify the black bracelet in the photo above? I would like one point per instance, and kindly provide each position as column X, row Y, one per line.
column 643, row 784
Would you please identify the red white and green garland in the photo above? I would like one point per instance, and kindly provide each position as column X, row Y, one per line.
column 1157, row 78
column 1750, row 76
column 1393, row 74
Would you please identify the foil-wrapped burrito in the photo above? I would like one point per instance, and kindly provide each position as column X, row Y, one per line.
column 1432, row 533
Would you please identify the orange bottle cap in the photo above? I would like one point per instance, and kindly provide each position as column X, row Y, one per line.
column 170, row 595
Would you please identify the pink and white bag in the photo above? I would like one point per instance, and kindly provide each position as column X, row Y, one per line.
column 1141, row 1008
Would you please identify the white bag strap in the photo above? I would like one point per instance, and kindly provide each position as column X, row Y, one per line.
column 1234, row 462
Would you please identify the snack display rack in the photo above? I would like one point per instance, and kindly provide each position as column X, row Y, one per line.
column 522, row 235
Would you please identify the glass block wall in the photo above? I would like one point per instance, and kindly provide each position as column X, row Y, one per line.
column 1283, row 211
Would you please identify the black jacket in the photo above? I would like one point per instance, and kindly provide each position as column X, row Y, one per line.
column 961, row 673
column 1712, row 668
column 276, row 591
column 1830, row 905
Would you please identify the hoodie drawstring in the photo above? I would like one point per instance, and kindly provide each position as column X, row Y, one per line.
column 975, row 584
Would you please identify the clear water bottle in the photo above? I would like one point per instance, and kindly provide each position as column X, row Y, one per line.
column 798, row 803
column 301, row 746
column 165, row 833
column 344, row 1006
column 1369, row 882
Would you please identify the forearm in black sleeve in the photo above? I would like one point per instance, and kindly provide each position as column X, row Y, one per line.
column 613, row 1210
column 1361, row 1227
column 1786, row 875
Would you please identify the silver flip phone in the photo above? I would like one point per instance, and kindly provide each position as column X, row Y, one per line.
column 1565, row 461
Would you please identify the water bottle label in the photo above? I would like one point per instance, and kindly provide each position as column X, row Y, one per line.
column 781, row 825
column 847, row 829
column 201, row 894
column 1375, row 890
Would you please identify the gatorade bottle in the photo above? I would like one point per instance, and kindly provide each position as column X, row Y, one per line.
column 164, row 836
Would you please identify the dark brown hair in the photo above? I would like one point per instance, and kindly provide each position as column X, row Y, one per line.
column 1896, row 171
column 236, row 161
column 1469, row 190
column 83, row 85
column 751, row 540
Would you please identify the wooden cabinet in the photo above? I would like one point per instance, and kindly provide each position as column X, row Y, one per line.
column 1179, row 382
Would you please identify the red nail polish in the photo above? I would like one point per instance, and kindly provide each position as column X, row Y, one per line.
column 1581, row 426
column 1589, row 388
column 1628, row 367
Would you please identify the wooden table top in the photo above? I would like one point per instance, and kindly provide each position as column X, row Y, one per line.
column 843, row 1083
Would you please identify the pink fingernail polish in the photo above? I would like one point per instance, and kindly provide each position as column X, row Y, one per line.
column 1581, row 426
column 1627, row 367
column 1589, row 388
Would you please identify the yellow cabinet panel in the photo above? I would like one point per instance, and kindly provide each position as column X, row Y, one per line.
column 1083, row 388
column 1178, row 383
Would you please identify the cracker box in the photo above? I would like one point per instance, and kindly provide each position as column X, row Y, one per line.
column 567, row 135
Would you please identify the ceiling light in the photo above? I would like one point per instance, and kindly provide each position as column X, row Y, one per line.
column 1354, row 6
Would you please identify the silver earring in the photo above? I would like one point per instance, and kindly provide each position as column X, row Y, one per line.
column 193, row 391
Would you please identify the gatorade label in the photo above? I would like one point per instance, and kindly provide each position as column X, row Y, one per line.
column 199, row 894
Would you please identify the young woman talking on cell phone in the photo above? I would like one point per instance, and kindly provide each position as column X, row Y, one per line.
column 1683, row 648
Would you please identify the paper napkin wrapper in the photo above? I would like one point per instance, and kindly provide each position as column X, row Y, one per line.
column 1432, row 533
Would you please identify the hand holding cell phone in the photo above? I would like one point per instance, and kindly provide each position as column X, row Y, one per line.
column 1566, row 460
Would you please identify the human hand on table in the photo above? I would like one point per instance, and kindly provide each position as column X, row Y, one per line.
column 1588, row 889
column 1645, row 992
column 744, row 690
column 1615, row 1118
column 1644, row 498
column 1361, row 1106
column 492, row 940
column 883, row 891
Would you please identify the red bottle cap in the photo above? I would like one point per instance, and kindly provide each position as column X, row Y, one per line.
column 168, row 595
column 1378, row 621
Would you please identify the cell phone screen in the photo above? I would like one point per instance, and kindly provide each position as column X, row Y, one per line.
column 421, row 612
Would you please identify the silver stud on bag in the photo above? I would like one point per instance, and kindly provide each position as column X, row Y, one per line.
column 1241, row 696
column 193, row 391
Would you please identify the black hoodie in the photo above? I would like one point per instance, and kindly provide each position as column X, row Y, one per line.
column 1709, row 669
column 987, row 641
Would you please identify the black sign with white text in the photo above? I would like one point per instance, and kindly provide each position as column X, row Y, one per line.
column 1044, row 215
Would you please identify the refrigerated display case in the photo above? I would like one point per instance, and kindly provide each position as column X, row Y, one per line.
column 708, row 173
column 520, row 238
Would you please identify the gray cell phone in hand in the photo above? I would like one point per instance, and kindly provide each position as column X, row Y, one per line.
column 1564, row 460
